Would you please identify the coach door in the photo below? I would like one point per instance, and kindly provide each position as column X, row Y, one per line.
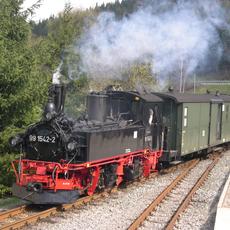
column 215, row 123
column 219, row 122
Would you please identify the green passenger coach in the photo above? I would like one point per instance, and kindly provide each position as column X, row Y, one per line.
column 194, row 123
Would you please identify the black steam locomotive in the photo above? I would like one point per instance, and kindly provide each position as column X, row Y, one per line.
column 122, row 136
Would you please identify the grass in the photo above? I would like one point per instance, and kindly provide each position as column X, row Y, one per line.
column 223, row 89
column 11, row 202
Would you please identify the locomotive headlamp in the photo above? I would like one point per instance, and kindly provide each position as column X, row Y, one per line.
column 71, row 146
column 14, row 141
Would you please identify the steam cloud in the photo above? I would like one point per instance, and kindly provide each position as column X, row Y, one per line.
column 57, row 74
column 163, row 33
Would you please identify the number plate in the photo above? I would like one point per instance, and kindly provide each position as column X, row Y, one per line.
column 42, row 139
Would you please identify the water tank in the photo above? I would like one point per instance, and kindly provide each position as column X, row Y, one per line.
column 97, row 107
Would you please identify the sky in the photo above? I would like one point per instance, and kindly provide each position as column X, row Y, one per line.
column 53, row 7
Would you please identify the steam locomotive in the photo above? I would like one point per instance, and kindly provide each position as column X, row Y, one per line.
column 122, row 136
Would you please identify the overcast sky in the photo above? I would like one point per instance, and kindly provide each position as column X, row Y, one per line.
column 53, row 7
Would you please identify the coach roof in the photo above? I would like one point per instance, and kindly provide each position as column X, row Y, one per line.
column 187, row 97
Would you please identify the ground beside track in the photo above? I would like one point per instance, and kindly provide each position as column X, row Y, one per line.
column 201, row 212
column 10, row 203
column 162, row 214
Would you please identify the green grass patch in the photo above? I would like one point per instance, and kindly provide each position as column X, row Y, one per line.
column 10, row 202
column 223, row 89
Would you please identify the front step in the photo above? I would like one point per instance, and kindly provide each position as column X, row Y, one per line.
column 175, row 162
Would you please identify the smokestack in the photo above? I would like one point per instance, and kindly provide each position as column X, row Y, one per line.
column 58, row 92
column 55, row 104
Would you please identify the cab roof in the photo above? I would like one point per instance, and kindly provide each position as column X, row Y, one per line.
column 147, row 97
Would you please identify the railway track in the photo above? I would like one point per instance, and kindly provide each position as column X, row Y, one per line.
column 12, row 212
column 25, row 215
column 165, row 210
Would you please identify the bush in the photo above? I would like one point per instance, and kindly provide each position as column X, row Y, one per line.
column 6, row 171
column 4, row 191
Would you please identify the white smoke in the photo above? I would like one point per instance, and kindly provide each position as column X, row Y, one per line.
column 162, row 33
column 57, row 74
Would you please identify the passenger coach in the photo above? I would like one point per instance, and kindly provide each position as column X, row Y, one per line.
column 194, row 123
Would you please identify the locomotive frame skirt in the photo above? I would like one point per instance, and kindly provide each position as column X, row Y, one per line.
column 46, row 196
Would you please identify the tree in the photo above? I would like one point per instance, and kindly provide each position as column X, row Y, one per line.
column 22, row 89
column 76, row 96
column 139, row 77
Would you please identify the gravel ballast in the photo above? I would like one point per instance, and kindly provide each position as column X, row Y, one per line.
column 119, row 210
column 164, row 211
column 116, row 211
column 201, row 212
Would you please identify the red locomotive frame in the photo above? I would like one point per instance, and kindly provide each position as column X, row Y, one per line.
column 83, row 177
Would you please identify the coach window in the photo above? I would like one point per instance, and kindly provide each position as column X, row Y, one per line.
column 185, row 111
column 223, row 107
column 185, row 116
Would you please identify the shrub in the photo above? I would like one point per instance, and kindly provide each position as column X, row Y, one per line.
column 6, row 170
column 4, row 191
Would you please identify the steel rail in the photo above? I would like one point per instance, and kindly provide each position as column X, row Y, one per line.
column 139, row 220
column 30, row 219
column 188, row 198
column 12, row 212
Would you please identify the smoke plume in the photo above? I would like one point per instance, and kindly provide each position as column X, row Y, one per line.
column 164, row 33
column 57, row 74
